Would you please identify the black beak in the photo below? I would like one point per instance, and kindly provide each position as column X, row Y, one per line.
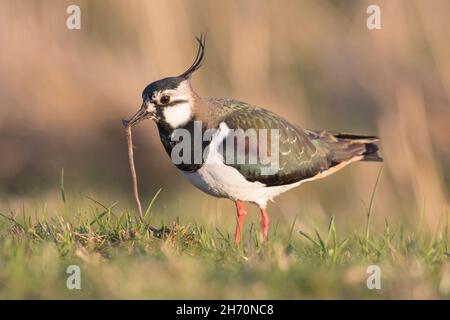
column 138, row 117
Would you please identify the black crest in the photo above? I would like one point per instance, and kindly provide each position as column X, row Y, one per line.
column 198, row 59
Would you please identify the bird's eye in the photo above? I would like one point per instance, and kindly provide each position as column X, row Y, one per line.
column 164, row 99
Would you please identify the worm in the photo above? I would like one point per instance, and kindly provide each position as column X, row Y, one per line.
column 133, row 169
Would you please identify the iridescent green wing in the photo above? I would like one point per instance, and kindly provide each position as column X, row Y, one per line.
column 299, row 156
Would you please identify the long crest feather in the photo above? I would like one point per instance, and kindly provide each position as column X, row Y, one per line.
column 198, row 59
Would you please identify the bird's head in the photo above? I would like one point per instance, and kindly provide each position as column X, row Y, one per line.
column 170, row 100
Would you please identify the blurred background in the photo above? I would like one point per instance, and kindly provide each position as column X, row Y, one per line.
column 64, row 92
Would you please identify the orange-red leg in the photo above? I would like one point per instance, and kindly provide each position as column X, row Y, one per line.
column 265, row 222
column 241, row 212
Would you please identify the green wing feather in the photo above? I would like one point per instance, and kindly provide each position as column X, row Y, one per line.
column 302, row 153
column 299, row 156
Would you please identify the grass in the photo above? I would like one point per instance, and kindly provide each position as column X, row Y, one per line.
column 122, row 256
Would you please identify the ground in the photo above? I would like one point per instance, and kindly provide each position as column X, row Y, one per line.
column 122, row 256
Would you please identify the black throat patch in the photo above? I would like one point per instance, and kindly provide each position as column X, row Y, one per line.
column 194, row 146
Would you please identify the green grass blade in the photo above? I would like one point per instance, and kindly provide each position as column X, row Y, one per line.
column 330, row 231
column 291, row 231
column 369, row 210
column 97, row 219
column 150, row 206
column 307, row 236
column 61, row 186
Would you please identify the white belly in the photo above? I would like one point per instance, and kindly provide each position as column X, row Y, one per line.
column 226, row 182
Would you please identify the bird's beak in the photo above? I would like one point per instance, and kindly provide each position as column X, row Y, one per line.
column 142, row 114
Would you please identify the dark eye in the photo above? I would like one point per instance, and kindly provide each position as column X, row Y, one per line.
column 164, row 99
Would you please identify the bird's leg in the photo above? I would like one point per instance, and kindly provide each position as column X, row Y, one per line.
column 265, row 222
column 241, row 212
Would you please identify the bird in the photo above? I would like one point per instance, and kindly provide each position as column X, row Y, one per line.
column 302, row 154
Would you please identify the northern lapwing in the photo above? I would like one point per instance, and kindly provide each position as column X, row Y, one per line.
column 302, row 155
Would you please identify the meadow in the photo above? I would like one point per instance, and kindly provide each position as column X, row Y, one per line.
column 121, row 256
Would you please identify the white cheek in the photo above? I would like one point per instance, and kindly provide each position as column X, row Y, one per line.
column 150, row 107
column 178, row 115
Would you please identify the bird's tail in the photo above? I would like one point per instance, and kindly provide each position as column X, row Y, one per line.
column 362, row 144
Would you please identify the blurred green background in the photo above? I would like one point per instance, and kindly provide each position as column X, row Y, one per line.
column 63, row 93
